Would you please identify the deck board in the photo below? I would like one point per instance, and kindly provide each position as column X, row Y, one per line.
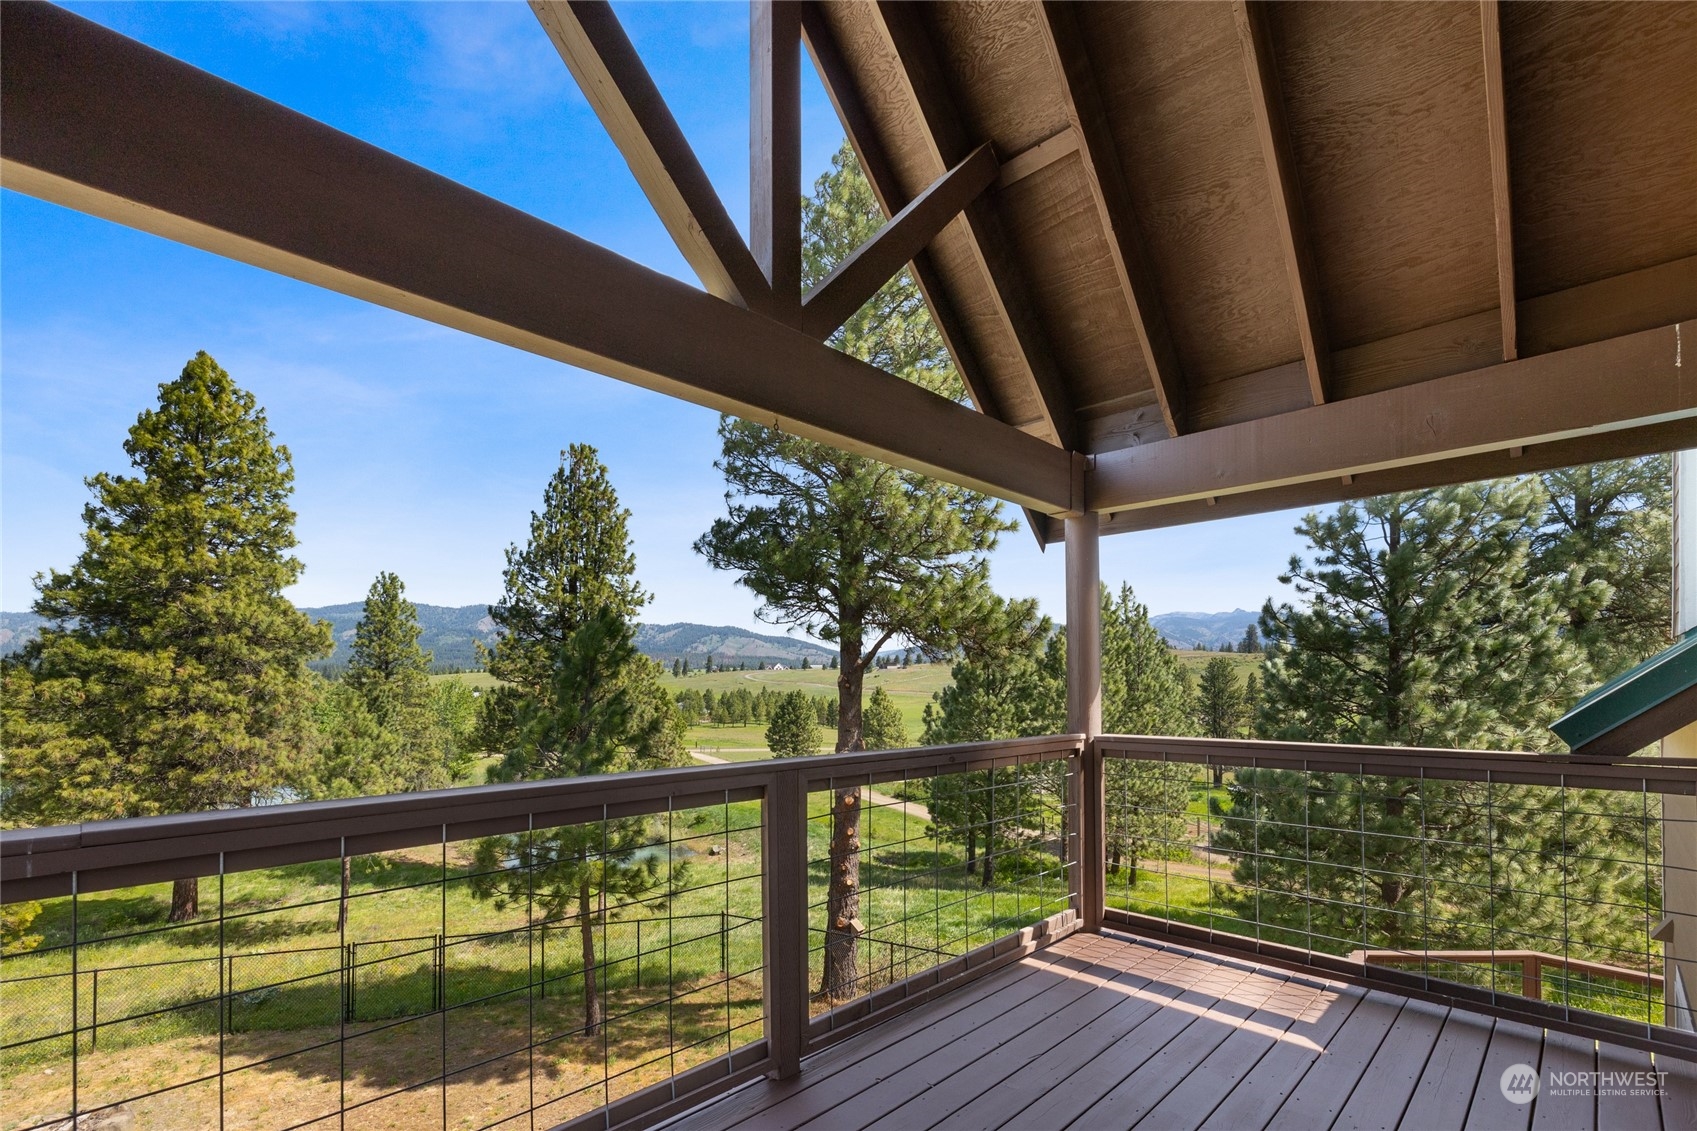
column 1111, row 1031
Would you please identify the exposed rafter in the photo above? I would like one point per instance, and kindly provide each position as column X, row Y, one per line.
column 856, row 279
column 1587, row 391
column 1256, row 35
column 1496, row 119
column 905, row 33
column 1112, row 197
column 600, row 56
column 100, row 123
column 774, row 154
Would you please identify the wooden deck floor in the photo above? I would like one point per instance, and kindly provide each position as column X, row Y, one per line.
column 1114, row 1032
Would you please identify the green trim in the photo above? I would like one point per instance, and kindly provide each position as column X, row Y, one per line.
column 1632, row 694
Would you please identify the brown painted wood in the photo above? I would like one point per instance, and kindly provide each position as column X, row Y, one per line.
column 1259, row 61
column 1561, row 1108
column 1511, row 1043
column 774, row 156
column 841, row 87
column 783, row 854
column 1040, row 156
column 595, row 48
column 856, row 279
column 1618, row 384
column 1496, row 118
column 1327, row 1084
column 1628, row 1108
column 316, row 204
column 1394, row 1073
column 1113, row 206
column 1194, row 1097
column 906, row 38
column 1258, row 1096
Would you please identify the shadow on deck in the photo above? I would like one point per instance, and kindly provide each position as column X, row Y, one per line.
column 1112, row 1031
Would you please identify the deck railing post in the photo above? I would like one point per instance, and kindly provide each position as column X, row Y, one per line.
column 1084, row 714
column 783, row 851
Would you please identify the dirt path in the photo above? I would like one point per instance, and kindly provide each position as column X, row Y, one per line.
column 911, row 808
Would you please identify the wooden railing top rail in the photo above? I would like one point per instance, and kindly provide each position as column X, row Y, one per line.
column 37, row 863
column 1539, row 958
column 1656, row 775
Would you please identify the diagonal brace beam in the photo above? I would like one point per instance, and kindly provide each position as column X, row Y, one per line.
column 600, row 56
column 103, row 124
column 856, row 279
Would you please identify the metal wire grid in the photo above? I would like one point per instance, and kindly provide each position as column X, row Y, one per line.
column 462, row 1028
column 1469, row 864
column 920, row 905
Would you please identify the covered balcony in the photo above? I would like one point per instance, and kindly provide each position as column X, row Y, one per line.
column 1191, row 261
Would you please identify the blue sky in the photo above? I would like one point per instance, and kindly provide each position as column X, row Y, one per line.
column 420, row 449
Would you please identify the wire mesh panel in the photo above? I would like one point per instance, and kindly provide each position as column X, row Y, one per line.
column 537, row 973
column 1548, row 890
column 909, row 873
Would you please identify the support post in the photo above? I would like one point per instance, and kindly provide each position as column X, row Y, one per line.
column 1678, row 929
column 1084, row 711
column 774, row 99
column 783, row 853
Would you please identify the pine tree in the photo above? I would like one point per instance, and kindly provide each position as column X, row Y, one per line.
column 172, row 667
column 882, row 723
column 794, row 729
column 1421, row 625
column 1220, row 705
column 391, row 674
column 851, row 550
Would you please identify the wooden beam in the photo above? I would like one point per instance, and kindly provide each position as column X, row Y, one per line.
column 856, row 279
column 1586, row 391
column 1085, row 780
column 840, row 87
column 1037, row 158
column 1629, row 443
column 1111, row 194
column 774, row 158
column 1496, row 119
column 103, row 124
column 919, row 70
column 601, row 58
column 1255, row 33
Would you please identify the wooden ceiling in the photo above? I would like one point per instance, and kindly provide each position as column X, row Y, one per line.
column 1193, row 259
column 1213, row 213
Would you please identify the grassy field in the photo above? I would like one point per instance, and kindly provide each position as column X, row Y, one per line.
column 263, row 986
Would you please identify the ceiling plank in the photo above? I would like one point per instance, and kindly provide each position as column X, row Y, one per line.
column 856, row 279
column 1255, row 33
column 600, row 56
column 1112, row 195
column 774, row 155
column 1496, row 117
column 1621, row 383
column 904, row 31
column 105, row 125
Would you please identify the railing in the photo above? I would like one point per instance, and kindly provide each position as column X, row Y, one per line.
column 1527, row 886
column 590, row 952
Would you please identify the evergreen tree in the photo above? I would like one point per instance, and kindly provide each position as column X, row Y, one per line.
column 593, row 720
column 1613, row 521
column 794, row 729
column 172, row 673
column 851, row 550
column 391, row 674
column 882, row 723
column 1421, row 625
column 1251, row 642
column 1220, row 704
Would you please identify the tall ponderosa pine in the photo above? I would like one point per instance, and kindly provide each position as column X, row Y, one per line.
column 1422, row 625
column 172, row 675
column 881, row 723
column 391, row 674
column 853, row 550
column 1221, row 705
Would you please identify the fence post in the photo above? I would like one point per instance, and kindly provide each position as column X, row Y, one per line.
column 230, row 994
column 441, row 957
column 350, row 981
column 94, row 1014
column 783, row 866
column 1532, row 977
column 639, row 954
column 542, row 988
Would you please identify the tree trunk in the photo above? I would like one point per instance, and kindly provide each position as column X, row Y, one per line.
column 1219, row 776
column 971, row 850
column 988, row 876
column 842, row 904
column 591, row 982
column 185, row 900
column 347, row 879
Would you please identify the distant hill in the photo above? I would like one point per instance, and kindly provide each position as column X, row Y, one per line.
column 451, row 634
column 1187, row 630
